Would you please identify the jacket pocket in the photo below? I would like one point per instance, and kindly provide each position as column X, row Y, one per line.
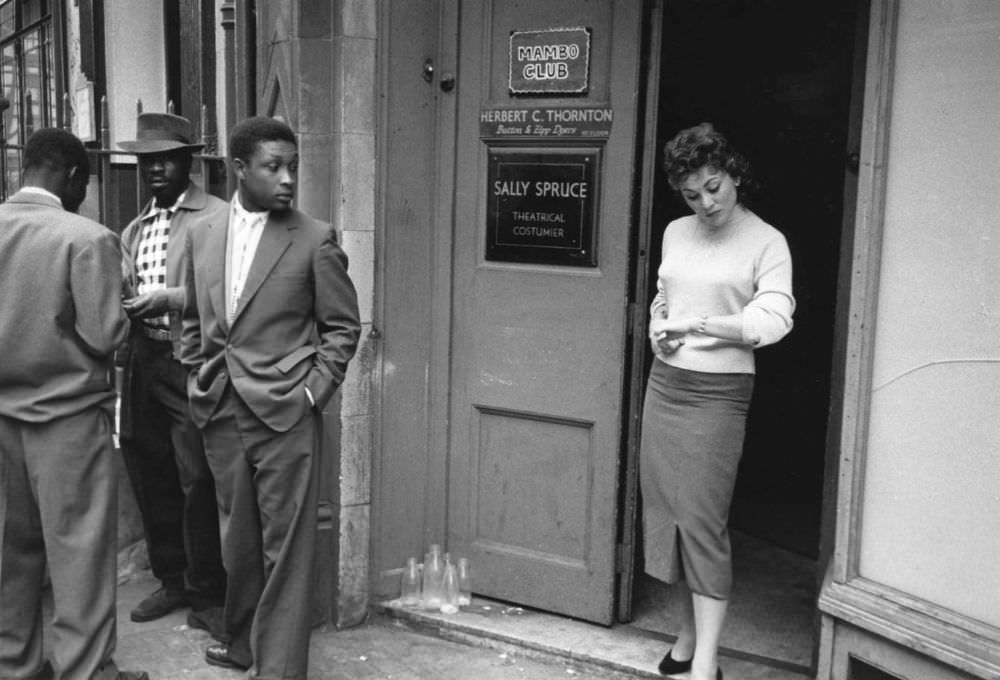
column 295, row 358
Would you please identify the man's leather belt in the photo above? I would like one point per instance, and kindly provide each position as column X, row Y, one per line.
column 160, row 334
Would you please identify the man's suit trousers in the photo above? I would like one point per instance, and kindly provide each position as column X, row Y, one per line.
column 58, row 507
column 173, row 485
column 268, row 490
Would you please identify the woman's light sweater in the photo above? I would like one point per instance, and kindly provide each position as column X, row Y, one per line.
column 745, row 270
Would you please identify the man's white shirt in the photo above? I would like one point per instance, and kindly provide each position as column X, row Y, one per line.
column 245, row 229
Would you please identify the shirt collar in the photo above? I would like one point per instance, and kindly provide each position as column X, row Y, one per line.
column 251, row 217
column 154, row 210
column 41, row 192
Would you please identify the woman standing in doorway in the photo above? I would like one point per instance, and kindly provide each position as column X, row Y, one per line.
column 724, row 288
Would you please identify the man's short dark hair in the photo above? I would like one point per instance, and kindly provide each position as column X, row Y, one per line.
column 55, row 148
column 247, row 134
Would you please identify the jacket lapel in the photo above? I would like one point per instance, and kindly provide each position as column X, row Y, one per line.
column 175, row 248
column 194, row 199
column 274, row 241
column 216, row 246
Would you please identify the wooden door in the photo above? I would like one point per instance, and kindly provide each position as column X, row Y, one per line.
column 538, row 347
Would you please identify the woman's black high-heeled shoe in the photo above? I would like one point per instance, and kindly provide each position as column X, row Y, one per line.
column 671, row 666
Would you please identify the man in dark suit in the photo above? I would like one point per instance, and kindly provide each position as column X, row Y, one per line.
column 270, row 323
column 162, row 448
column 60, row 322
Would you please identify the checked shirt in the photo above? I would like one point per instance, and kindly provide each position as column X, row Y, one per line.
column 151, row 258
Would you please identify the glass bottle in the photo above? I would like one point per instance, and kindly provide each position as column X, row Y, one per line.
column 464, row 582
column 433, row 578
column 449, row 588
column 410, row 591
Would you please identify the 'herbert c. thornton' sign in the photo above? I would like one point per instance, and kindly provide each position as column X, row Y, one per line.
column 546, row 121
column 553, row 61
column 540, row 206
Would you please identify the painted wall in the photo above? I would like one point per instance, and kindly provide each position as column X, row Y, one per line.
column 931, row 508
column 136, row 67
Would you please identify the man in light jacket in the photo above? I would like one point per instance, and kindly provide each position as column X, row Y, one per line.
column 60, row 322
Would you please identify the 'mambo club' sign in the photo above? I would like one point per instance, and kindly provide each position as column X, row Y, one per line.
column 540, row 206
column 556, row 60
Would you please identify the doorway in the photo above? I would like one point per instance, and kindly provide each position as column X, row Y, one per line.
column 777, row 77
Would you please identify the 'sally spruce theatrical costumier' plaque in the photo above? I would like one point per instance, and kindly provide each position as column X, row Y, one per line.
column 541, row 206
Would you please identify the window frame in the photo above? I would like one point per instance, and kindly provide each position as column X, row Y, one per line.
column 49, row 28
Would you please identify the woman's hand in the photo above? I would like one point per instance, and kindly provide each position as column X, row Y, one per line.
column 666, row 335
column 674, row 327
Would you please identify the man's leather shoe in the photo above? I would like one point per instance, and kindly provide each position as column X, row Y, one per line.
column 219, row 655
column 209, row 619
column 132, row 675
column 159, row 604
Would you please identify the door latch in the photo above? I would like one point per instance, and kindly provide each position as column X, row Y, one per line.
column 447, row 80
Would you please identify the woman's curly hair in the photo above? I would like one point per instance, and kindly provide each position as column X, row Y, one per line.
column 696, row 147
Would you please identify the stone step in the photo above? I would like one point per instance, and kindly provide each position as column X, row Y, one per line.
column 619, row 651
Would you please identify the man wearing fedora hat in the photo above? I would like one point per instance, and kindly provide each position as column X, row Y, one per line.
column 163, row 450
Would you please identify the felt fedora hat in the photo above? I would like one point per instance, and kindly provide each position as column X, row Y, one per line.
column 159, row 132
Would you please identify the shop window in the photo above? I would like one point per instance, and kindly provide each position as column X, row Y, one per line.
column 28, row 79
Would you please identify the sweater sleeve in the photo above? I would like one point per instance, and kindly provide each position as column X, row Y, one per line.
column 658, row 308
column 767, row 318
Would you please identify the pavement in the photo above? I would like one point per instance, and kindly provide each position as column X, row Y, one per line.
column 487, row 640
column 386, row 647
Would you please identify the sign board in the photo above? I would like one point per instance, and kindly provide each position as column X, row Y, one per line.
column 541, row 206
column 553, row 61
column 587, row 122
column 83, row 113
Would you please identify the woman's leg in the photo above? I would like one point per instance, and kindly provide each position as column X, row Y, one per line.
column 684, row 646
column 709, row 615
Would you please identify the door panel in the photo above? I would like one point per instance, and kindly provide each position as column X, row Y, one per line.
column 506, row 513
column 538, row 351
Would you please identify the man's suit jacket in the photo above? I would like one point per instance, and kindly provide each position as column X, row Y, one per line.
column 197, row 206
column 296, row 324
column 61, row 316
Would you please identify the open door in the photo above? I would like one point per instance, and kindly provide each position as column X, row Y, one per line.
column 538, row 337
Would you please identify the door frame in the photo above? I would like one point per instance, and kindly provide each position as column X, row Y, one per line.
column 442, row 281
column 428, row 429
column 638, row 302
column 646, row 158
